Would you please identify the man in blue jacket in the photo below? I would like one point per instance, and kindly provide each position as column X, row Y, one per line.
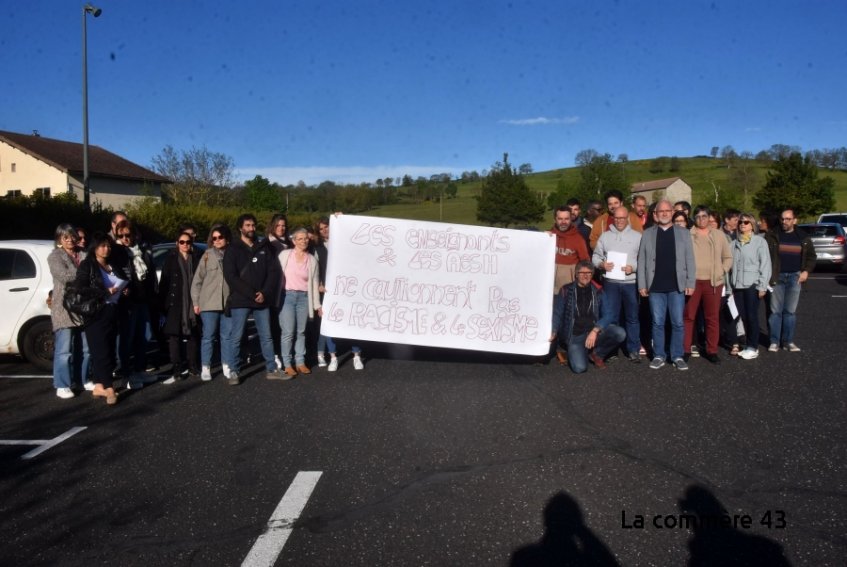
column 252, row 271
column 578, row 322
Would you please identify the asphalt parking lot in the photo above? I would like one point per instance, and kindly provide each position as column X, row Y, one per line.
column 435, row 457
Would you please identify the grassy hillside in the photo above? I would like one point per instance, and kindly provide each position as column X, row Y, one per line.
column 700, row 173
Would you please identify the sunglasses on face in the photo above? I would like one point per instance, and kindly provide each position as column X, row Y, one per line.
column 744, row 222
column 124, row 235
column 184, row 242
column 215, row 238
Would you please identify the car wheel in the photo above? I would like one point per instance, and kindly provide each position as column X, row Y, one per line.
column 37, row 345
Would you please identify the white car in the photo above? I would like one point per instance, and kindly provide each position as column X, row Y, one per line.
column 25, row 281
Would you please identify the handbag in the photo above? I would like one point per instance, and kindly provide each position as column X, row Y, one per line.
column 82, row 302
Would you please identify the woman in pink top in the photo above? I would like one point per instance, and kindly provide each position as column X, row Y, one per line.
column 300, row 302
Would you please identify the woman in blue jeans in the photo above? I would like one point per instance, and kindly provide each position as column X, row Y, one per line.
column 301, row 300
column 751, row 272
column 67, row 332
column 209, row 292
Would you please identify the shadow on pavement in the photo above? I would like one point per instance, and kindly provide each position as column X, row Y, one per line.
column 714, row 543
column 566, row 540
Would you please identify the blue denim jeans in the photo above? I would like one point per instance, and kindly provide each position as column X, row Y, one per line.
column 784, row 300
column 238, row 321
column 617, row 294
column 661, row 305
column 292, row 322
column 216, row 327
column 609, row 340
column 326, row 344
column 64, row 365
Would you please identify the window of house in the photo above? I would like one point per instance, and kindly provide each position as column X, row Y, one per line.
column 12, row 193
column 42, row 192
column 13, row 167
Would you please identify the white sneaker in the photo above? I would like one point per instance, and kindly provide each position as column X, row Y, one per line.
column 773, row 348
column 278, row 363
column 225, row 368
column 333, row 364
column 321, row 360
column 89, row 386
column 357, row 362
column 206, row 374
column 791, row 347
column 749, row 353
column 64, row 393
column 170, row 380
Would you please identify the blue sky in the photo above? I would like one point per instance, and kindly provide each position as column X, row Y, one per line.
column 352, row 91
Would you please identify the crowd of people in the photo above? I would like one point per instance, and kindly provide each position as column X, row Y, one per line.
column 663, row 281
column 670, row 283
column 107, row 304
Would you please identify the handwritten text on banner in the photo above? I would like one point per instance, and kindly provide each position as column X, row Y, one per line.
column 437, row 284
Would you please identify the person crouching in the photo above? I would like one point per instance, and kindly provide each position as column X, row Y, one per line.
column 578, row 323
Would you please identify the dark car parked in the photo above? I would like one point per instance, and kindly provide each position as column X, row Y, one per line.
column 829, row 240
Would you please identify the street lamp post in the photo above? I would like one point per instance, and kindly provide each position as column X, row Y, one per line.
column 86, row 191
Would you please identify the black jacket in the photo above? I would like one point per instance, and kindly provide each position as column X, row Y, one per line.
column 171, row 294
column 250, row 270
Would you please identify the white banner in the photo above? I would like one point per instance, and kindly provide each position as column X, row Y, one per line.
column 436, row 284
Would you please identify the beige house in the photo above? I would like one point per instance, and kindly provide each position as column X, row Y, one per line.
column 674, row 189
column 31, row 164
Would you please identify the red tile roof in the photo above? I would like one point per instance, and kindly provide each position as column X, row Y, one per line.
column 67, row 156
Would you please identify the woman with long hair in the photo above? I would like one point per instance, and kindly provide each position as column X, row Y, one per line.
column 68, row 337
column 209, row 292
column 180, row 323
column 99, row 279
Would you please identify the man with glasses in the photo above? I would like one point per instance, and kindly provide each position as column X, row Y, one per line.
column 614, row 199
column 619, row 284
column 582, row 323
column 794, row 262
column 253, row 274
column 665, row 275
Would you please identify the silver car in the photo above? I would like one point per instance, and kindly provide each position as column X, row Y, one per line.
column 829, row 241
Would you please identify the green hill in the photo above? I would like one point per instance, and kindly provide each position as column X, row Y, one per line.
column 703, row 174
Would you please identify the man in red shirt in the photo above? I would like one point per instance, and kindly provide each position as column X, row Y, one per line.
column 570, row 248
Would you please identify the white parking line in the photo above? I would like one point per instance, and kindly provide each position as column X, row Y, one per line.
column 269, row 545
column 50, row 376
column 43, row 444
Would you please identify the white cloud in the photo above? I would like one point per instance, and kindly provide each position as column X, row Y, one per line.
column 540, row 120
column 354, row 174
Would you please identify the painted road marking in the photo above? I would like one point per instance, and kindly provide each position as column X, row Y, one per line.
column 50, row 376
column 269, row 545
column 43, row 444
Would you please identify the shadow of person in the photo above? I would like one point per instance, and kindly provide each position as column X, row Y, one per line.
column 716, row 543
column 566, row 540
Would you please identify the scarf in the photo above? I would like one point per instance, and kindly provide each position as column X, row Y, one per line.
column 138, row 263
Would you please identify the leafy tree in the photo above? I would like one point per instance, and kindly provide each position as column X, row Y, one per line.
column 714, row 152
column 197, row 174
column 585, row 157
column 451, row 190
column 623, row 158
column 598, row 176
column 792, row 182
column 525, row 168
column 505, row 198
column 728, row 154
column 262, row 195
